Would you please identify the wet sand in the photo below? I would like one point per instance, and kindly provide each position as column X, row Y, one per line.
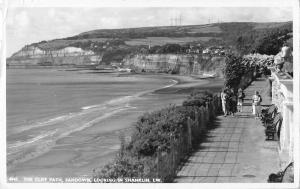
column 81, row 152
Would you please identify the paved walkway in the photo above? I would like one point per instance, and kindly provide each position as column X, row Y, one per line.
column 235, row 150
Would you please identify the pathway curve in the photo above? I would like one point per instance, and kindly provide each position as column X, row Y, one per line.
column 235, row 150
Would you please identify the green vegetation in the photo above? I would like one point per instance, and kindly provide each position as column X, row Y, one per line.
column 154, row 133
column 264, row 41
column 239, row 71
column 271, row 42
column 233, row 71
column 162, row 31
column 263, row 38
column 168, row 48
column 198, row 98
column 115, row 44
column 159, row 41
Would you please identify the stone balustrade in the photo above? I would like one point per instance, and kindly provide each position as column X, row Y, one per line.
column 282, row 97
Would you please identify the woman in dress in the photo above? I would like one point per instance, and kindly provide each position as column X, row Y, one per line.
column 241, row 96
column 224, row 98
column 256, row 100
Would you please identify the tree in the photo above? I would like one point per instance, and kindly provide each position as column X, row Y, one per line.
column 233, row 71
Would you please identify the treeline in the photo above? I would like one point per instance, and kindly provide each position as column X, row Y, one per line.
column 243, row 38
column 161, row 139
column 246, row 39
column 113, row 50
column 239, row 71
column 98, row 45
column 233, row 71
column 139, row 33
column 169, row 48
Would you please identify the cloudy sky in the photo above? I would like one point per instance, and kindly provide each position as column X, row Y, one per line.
column 29, row 25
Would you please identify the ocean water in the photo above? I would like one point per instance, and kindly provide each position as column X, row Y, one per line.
column 65, row 123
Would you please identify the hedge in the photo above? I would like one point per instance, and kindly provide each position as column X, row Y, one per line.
column 158, row 132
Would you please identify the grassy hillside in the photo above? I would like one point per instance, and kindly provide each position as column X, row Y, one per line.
column 167, row 34
column 244, row 37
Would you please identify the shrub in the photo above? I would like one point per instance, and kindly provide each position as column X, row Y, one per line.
column 154, row 129
column 153, row 132
column 240, row 71
column 198, row 98
column 233, row 71
column 124, row 166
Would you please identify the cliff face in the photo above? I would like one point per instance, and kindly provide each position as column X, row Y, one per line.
column 184, row 64
column 35, row 56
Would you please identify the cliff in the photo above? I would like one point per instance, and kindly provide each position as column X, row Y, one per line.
column 35, row 56
column 107, row 46
column 184, row 64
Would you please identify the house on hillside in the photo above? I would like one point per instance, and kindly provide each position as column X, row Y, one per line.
column 206, row 51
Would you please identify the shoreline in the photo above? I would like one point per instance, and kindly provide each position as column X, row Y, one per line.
column 186, row 85
column 110, row 127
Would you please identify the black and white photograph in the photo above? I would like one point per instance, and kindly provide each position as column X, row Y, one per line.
column 150, row 94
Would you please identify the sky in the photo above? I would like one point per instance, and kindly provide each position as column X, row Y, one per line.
column 34, row 24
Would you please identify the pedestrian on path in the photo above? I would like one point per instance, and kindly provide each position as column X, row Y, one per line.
column 232, row 102
column 241, row 96
column 224, row 99
column 256, row 100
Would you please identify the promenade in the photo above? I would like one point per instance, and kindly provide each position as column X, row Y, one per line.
column 235, row 150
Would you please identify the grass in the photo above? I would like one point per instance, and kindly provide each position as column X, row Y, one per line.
column 206, row 29
column 160, row 35
column 62, row 43
column 268, row 25
column 164, row 40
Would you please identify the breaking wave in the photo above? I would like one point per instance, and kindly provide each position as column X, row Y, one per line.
column 42, row 136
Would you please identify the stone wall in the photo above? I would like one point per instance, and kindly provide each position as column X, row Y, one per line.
column 282, row 97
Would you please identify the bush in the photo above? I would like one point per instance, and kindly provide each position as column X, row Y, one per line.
column 152, row 132
column 272, row 42
column 154, row 129
column 240, row 71
column 233, row 71
column 198, row 98
column 123, row 166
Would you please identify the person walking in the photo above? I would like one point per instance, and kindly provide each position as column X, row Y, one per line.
column 241, row 96
column 233, row 101
column 224, row 99
column 256, row 100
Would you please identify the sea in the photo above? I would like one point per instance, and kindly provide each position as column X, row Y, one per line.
column 67, row 123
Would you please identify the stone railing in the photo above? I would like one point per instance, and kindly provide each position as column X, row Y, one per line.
column 282, row 97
